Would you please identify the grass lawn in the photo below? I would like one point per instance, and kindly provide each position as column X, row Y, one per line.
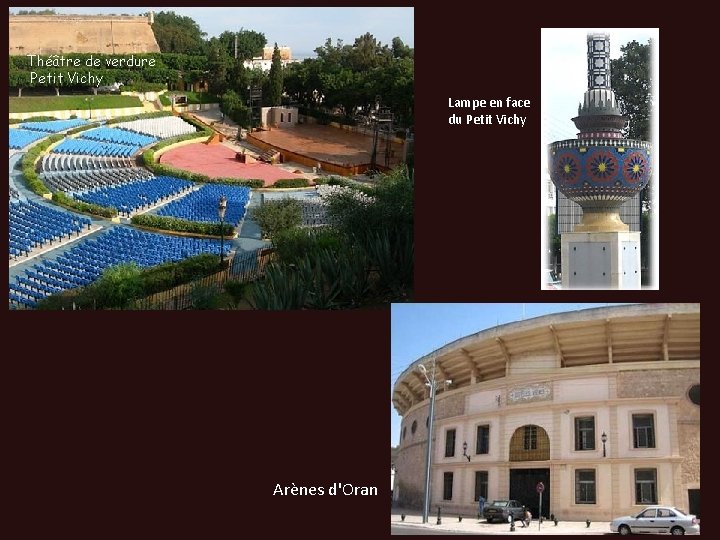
column 192, row 98
column 62, row 103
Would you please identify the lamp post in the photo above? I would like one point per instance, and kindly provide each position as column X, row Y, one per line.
column 432, row 383
column 89, row 102
column 603, row 438
column 222, row 206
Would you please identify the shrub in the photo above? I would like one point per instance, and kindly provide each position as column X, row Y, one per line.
column 276, row 216
column 103, row 211
column 290, row 183
column 168, row 223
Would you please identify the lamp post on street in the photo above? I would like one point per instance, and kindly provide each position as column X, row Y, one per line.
column 432, row 383
column 222, row 206
column 603, row 438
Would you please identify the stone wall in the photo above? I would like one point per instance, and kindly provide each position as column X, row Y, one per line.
column 656, row 382
column 676, row 383
column 63, row 34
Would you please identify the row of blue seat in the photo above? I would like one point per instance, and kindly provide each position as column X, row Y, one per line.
column 121, row 136
column 54, row 126
column 202, row 205
column 20, row 138
column 85, row 262
column 94, row 148
column 33, row 224
column 127, row 198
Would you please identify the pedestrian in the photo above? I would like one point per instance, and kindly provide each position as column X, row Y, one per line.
column 527, row 518
column 481, row 505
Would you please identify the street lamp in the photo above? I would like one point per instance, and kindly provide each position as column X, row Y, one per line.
column 603, row 438
column 432, row 383
column 222, row 206
column 88, row 100
column 465, row 454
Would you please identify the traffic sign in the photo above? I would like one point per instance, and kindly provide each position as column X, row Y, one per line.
column 540, row 487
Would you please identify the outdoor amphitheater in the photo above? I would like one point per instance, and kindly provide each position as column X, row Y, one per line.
column 53, row 249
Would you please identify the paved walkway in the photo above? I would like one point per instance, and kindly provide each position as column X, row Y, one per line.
column 470, row 524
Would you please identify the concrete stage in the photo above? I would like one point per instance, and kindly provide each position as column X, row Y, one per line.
column 337, row 150
column 218, row 160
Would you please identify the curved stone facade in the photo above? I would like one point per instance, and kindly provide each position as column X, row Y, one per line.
column 532, row 401
column 63, row 34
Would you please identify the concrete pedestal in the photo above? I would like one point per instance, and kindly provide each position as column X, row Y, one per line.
column 601, row 260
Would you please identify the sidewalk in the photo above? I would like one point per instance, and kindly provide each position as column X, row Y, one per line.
column 470, row 524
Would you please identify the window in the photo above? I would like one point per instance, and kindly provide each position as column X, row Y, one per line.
column 585, row 486
column 643, row 431
column 585, row 433
column 447, row 486
column 483, row 441
column 450, row 443
column 404, row 431
column 481, row 484
column 282, row 117
column 530, row 439
column 694, row 394
column 413, row 427
column 289, row 117
column 645, row 486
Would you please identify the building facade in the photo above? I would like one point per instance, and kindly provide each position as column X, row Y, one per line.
column 600, row 405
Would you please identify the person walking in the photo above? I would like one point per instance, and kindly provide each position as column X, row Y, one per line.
column 527, row 518
column 481, row 505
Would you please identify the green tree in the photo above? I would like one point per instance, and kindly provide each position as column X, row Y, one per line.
column 276, row 216
column 249, row 43
column 118, row 286
column 177, row 33
column 220, row 64
column 275, row 79
column 632, row 82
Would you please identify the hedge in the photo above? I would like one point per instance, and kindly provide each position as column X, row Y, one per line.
column 290, row 183
column 140, row 116
column 172, row 224
column 33, row 181
column 95, row 209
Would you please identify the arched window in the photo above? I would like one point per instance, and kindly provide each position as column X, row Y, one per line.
column 413, row 427
column 530, row 443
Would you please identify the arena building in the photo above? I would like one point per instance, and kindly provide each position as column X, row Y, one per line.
column 600, row 405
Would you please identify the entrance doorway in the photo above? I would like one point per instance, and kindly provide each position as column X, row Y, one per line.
column 523, row 488
column 694, row 501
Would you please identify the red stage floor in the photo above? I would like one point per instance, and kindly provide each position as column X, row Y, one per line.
column 216, row 160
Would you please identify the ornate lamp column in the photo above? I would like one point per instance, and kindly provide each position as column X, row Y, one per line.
column 600, row 170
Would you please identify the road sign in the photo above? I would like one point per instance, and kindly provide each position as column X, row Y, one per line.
column 540, row 487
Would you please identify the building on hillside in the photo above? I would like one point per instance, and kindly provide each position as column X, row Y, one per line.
column 63, row 34
column 600, row 405
column 264, row 62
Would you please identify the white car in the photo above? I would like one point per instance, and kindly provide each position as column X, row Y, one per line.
column 550, row 281
column 657, row 520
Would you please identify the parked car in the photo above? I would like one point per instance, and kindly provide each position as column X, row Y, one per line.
column 657, row 520
column 501, row 509
column 550, row 280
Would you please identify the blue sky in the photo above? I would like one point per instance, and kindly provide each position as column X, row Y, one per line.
column 419, row 329
column 303, row 29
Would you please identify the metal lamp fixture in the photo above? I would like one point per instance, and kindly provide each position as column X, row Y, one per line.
column 603, row 438
column 222, row 206
column 465, row 454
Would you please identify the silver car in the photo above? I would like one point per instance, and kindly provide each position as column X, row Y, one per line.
column 657, row 520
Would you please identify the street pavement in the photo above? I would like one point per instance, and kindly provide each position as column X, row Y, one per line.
column 450, row 524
